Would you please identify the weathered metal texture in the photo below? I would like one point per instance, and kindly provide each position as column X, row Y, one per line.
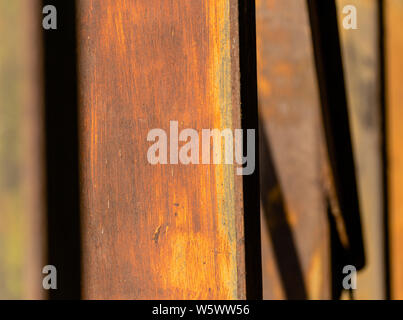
column 21, row 200
column 361, row 56
column 394, row 115
column 295, row 238
column 158, row 231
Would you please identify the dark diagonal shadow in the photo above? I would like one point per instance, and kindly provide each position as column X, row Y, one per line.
column 280, row 232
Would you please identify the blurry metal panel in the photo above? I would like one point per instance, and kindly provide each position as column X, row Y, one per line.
column 22, row 228
column 296, row 249
column 361, row 56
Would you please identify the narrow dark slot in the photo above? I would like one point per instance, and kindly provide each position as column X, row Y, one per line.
column 62, row 171
column 384, row 137
column 247, row 56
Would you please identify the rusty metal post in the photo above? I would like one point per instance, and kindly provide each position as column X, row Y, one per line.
column 393, row 15
column 169, row 231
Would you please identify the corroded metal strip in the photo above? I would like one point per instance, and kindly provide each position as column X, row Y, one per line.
column 394, row 115
column 164, row 231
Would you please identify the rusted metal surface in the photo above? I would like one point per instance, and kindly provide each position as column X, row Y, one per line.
column 158, row 231
column 295, row 237
column 394, row 97
column 362, row 69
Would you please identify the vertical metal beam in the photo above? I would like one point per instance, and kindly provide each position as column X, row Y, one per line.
column 169, row 231
column 394, row 113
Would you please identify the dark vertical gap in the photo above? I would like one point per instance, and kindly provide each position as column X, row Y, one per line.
column 384, row 137
column 326, row 42
column 63, row 216
column 247, row 53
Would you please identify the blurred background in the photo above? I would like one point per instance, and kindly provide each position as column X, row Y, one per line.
column 21, row 181
column 298, row 253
